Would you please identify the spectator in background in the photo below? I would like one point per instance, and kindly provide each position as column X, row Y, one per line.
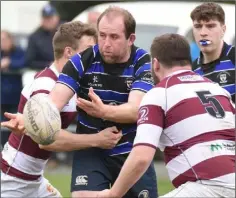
column 40, row 52
column 12, row 59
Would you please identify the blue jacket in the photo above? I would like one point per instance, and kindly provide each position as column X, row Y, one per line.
column 11, row 82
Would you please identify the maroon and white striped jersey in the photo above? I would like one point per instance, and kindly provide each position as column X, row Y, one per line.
column 21, row 156
column 192, row 120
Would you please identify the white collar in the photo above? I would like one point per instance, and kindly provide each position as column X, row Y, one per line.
column 178, row 72
column 54, row 69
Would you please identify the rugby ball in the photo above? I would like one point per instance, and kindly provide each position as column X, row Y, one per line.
column 41, row 119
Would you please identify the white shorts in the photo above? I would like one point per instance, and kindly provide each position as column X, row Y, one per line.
column 14, row 187
column 193, row 189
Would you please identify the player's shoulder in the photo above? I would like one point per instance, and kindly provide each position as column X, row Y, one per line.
column 139, row 54
column 89, row 54
column 46, row 73
column 230, row 53
column 85, row 58
column 44, row 80
column 155, row 96
column 140, row 57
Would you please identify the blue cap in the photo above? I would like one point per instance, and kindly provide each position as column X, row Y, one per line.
column 48, row 11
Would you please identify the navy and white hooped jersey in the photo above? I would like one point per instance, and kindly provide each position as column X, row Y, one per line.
column 112, row 83
column 221, row 71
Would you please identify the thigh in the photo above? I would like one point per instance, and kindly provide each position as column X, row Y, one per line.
column 89, row 171
column 145, row 187
column 13, row 187
column 47, row 190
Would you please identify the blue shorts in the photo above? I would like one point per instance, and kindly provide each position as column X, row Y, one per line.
column 92, row 170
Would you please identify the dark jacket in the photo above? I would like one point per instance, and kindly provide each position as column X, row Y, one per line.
column 11, row 81
column 39, row 53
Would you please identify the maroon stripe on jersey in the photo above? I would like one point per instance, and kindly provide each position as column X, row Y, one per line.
column 16, row 173
column 174, row 80
column 192, row 107
column 208, row 169
column 40, row 91
column 171, row 152
column 28, row 147
column 22, row 102
column 151, row 114
column 145, row 144
column 67, row 118
column 46, row 73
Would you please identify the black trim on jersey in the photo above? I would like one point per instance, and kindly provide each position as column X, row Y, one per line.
column 87, row 58
column 70, row 70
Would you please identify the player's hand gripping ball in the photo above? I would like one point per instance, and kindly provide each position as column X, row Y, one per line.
column 41, row 119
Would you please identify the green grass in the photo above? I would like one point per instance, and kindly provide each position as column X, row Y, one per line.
column 62, row 183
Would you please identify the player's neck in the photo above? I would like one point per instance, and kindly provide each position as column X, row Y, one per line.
column 59, row 64
column 168, row 72
column 214, row 55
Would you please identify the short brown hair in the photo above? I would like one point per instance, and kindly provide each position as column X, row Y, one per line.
column 68, row 35
column 129, row 21
column 171, row 50
column 207, row 12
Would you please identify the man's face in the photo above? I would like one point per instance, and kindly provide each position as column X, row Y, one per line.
column 112, row 42
column 212, row 31
column 50, row 23
column 6, row 42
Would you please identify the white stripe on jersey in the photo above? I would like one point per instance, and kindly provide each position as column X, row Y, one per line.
column 228, row 180
column 23, row 162
column 152, row 134
column 192, row 123
column 41, row 83
column 194, row 155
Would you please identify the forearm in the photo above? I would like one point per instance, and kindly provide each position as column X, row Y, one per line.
column 125, row 113
column 67, row 141
column 60, row 95
column 134, row 167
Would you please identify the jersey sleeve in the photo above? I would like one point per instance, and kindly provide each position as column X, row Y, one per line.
column 151, row 118
column 143, row 78
column 72, row 72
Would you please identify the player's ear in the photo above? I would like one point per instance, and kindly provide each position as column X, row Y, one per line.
column 223, row 30
column 131, row 39
column 155, row 64
column 68, row 53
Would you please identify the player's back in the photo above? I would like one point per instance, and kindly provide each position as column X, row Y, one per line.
column 21, row 156
column 199, row 130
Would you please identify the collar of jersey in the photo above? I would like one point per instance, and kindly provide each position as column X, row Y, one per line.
column 54, row 69
column 179, row 72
